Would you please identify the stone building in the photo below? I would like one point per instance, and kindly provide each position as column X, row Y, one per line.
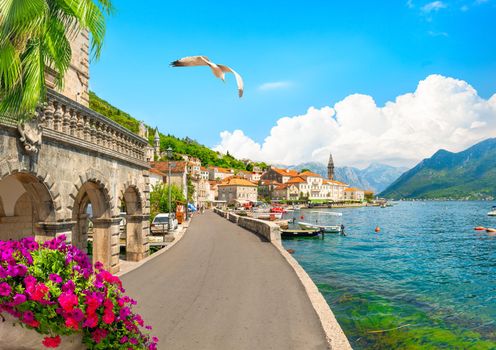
column 218, row 173
column 70, row 165
column 179, row 173
column 239, row 190
column 279, row 175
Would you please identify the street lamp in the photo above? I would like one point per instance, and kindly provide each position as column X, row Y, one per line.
column 169, row 156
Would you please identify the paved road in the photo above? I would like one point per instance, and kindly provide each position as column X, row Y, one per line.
column 223, row 288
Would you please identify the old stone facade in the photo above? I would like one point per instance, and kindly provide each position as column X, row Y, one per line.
column 70, row 166
column 77, row 77
column 239, row 190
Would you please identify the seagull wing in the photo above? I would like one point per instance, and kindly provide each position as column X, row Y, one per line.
column 192, row 61
column 239, row 80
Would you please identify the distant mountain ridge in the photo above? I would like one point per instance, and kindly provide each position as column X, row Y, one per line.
column 470, row 174
column 375, row 177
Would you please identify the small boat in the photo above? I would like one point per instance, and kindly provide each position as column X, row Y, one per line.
column 489, row 229
column 322, row 228
column 493, row 211
column 479, row 228
column 299, row 233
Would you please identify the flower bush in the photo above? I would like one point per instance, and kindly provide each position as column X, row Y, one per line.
column 53, row 289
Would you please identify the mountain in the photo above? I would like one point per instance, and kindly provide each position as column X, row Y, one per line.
column 470, row 174
column 375, row 177
column 185, row 146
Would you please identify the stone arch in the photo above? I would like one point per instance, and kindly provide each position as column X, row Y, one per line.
column 136, row 224
column 93, row 190
column 31, row 202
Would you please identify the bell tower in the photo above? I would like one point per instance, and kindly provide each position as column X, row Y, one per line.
column 330, row 168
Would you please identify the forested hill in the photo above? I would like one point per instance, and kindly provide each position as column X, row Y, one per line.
column 470, row 174
column 180, row 146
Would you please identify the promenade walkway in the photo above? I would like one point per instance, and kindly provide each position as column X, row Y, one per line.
column 221, row 287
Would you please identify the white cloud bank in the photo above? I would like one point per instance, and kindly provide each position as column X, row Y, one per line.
column 442, row 113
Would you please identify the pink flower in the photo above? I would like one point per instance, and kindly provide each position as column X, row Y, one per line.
column 55, row 278
column 72, row 323
column 40, row 292
column 5, row 289
column 99, row 334
column 19, row 299
column 91, row 321
column 67, row 301
column 52, row 342
column 108, row 317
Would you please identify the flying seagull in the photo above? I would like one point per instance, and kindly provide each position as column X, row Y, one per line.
column 219, row 70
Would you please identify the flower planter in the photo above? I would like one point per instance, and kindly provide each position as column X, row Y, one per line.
column 13, row 336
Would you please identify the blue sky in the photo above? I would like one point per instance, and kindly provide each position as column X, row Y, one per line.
column 307, row 53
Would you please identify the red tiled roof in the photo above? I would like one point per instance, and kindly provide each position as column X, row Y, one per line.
column 156, row 171
column 295, row 180
column 309, row 174
column 176, row 168
column 236, row 181
column 285, row 172
column 352, row 189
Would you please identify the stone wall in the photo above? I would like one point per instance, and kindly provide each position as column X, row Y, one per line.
column 76, row 79
column 82, row 158
column 268, row 230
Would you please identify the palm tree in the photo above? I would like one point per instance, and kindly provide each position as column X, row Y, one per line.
column 35, row 34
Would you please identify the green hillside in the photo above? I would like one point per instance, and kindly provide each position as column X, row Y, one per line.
column 180, row 146
column 470, row 174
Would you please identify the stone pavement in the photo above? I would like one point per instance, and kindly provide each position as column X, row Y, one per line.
column 222, row 287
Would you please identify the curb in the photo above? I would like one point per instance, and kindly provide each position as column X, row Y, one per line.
column 336, row 338
column 179, row 236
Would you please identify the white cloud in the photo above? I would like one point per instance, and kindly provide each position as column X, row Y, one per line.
column 433, row 33
column 275, row 85
column 442, row 113
column 433, row 6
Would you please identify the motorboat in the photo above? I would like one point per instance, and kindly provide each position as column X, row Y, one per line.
column 323, row 228
column 299, row 233
column 493, row 211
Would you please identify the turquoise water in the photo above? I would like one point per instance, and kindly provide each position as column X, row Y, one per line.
column 426, row 281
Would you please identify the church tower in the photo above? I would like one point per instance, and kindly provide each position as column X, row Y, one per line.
column 156, row 144
column 330, row 168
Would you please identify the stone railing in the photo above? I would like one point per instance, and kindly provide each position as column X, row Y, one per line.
column 270, row 231
column 64, row 120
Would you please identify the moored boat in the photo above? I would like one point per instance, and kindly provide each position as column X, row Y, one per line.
column 493, row 211
column 322, row 228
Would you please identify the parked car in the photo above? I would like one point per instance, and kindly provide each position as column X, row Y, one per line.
column 161, row 222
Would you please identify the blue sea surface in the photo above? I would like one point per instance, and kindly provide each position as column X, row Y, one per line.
column 427, row 280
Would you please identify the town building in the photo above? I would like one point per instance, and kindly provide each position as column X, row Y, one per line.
column 157, row 177
column 237, row 190
column 218, row 173
column 178, row 176
column 354, row 194
column 279, row 175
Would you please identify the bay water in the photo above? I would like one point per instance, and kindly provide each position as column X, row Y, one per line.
column 427, row 280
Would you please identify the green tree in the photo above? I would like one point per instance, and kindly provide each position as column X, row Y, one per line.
column 159, row 199
column 34, row 35
column 304, row 169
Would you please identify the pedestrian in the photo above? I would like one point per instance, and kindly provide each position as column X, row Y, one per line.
column 342, row 230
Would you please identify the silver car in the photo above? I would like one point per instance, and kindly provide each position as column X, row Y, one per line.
column 161, row 222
